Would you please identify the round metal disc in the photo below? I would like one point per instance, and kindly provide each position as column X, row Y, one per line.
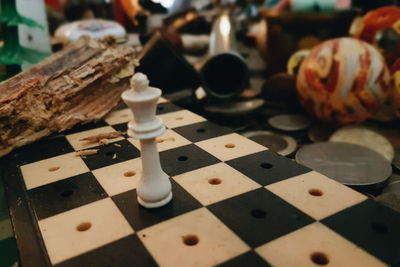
column 289, row 122
column 346, row 163
column 281, row 144
column 320, row 133
column 235, row 108
column 364, row 137
column 396, row 159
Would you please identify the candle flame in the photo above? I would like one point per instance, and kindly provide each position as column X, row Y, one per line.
column 225, row 26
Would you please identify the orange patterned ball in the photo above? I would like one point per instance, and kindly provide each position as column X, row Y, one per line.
column 343, row 81
column 372, row 26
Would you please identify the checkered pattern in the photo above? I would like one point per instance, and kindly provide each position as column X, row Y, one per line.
column 234, row 203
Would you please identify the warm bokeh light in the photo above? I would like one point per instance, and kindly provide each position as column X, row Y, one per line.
column 225, row 26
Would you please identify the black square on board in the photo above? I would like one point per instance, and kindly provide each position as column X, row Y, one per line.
column 167, row 107
column 67, row 194
column 371, row 226
column 202, row 131
column 122, row 127
column 140, row 218
column 85, row 127
column 185, row 158
column 111, row 153
column 267, row 167
column 259, row 216
column 128, row 251
column 48, row 147
column 247, row 259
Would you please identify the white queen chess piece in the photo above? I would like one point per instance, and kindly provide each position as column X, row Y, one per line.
column 154, row 188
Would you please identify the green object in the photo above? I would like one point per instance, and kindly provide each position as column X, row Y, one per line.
column 10, row 16
column 313, row 5
column 327, row 5
column 302, row 5
column 12, row 53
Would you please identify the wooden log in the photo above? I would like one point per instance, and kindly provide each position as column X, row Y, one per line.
column 79, row 84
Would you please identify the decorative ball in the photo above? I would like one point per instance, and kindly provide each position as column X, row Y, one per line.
column 295, row 61
column 381, row 27
column 343, row 81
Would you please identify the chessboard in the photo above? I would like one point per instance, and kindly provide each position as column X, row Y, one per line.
column 235, row 203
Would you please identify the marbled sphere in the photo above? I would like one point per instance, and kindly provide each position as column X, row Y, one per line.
column 343, row 81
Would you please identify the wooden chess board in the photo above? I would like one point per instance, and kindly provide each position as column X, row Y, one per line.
column 234, row 203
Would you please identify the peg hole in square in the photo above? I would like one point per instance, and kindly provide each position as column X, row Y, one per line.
column 183, row 158
column 53, row 169
column 129, row 173
column 230, row 145
column 214, row 181
column 265, row 165
column 258, row 213
column 190, row 240
column 110, row 154
column 84, row 226
column 319, row 258
column 315, row 192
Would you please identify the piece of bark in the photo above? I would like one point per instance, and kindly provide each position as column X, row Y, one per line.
column 98, row 137
column 79, row 84
column 86, row 152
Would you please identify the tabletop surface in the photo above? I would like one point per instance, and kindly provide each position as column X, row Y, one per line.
column 235, row 203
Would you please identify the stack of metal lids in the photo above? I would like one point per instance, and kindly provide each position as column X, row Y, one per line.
column 354, row 155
